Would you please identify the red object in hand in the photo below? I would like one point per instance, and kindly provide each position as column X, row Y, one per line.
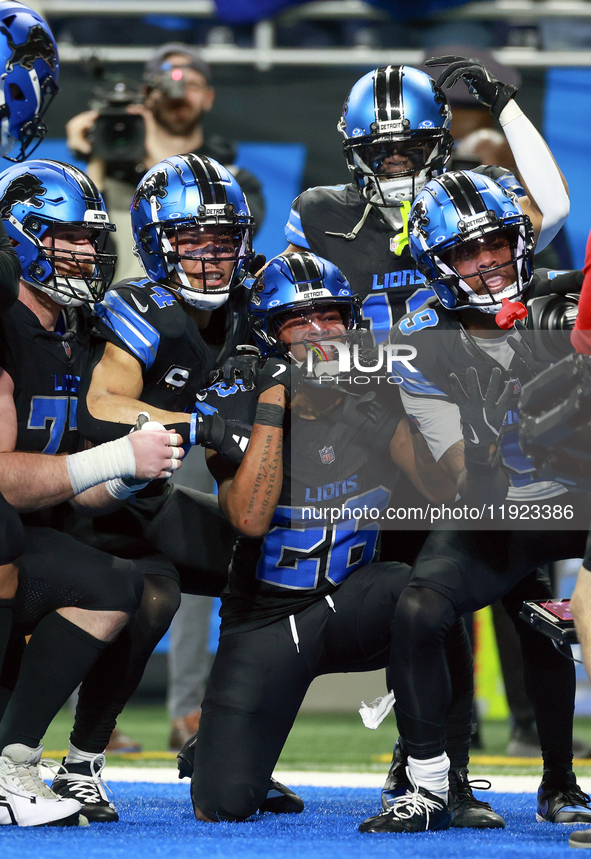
column 510, row 312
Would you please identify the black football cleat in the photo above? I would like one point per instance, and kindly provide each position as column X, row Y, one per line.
column 580, row 839
column 466, row 811
column 84, row 782
column 185, row 759
column 561, row 800
column 279, row 799
column 397, row 782
column 417, row 810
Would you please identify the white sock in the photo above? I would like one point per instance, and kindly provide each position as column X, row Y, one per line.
column 77, row 756
column 431, row 774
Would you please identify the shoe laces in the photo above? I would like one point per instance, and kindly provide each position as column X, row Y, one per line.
column 28, row 778
column 87, row 789
column 461, row 790
column 574, row 795
column 413, row 803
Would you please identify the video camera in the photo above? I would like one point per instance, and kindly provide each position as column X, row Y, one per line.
column 555, row 422
column 117, row 137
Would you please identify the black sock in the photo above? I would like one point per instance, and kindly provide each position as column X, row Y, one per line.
column 117, row 673
column 5, row 626
column 57, row 658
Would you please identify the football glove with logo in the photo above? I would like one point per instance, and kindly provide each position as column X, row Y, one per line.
column 482, row 416
column 481, row 83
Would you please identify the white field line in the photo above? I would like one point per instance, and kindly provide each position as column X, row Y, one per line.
column 164, row 775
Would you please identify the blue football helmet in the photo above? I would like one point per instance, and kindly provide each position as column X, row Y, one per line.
column 295, row 285
column 395, row 123
column 38, row 199
column 454, row 218
column 193, row 193
column 29, row 74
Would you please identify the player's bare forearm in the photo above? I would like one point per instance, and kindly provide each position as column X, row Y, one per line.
column 474, row 488
column 250, row 498
column 115, row 408
column 431, row 479
column 115, row 391
column 32, row 481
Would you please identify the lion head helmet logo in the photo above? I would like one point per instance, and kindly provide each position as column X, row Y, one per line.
column 23, row 190
column 152, row 186
column 38, row 45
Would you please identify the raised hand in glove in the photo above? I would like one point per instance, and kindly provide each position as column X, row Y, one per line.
column 481, row 83
column 482, row 415
column 242, row 367
column 280, row 371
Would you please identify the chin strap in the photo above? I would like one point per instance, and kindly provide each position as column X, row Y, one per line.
column 349, row 237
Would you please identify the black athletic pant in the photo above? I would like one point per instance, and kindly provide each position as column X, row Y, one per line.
column 459, row 571
column 12, row 544
column 56, row 572
column 260, row 677
column 187, row 527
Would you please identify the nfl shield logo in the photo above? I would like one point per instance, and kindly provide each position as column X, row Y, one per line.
column 326, row 455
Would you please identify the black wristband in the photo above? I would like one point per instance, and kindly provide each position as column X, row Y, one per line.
column 269, row 415
column 480, row 466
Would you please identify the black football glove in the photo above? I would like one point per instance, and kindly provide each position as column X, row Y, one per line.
column 280, row 371
column 526, row 351
column 229, row 438
column 481, row 83
column 242, row 367
column 482, row 416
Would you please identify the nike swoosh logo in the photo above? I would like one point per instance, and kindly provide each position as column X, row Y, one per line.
column 143, row 308
column 280, row 369
column 474, row 439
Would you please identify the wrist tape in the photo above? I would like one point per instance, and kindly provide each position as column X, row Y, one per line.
column 91, row 467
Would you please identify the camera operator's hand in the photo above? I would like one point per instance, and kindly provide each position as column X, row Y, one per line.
column 482, row 415
column 77, row 130
column 481, row 83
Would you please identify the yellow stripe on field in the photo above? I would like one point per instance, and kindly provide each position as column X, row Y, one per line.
column 492, row 760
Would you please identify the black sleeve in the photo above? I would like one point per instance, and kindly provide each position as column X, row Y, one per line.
column 10, row 272
column 549, row 282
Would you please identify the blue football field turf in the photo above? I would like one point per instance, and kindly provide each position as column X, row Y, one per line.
column 156, row 820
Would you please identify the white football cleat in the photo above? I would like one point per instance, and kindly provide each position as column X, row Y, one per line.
column 25, row 799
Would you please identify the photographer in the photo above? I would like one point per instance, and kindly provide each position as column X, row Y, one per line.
column 177, row 94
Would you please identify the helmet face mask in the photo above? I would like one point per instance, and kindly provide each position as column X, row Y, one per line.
column 472, row 241
column 29, row 74
column 78, row 276
column 56, row 220
column 395, row 122
column 299, row 300
column 193, row 229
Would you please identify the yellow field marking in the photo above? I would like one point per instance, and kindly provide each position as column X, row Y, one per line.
column 493, row 760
